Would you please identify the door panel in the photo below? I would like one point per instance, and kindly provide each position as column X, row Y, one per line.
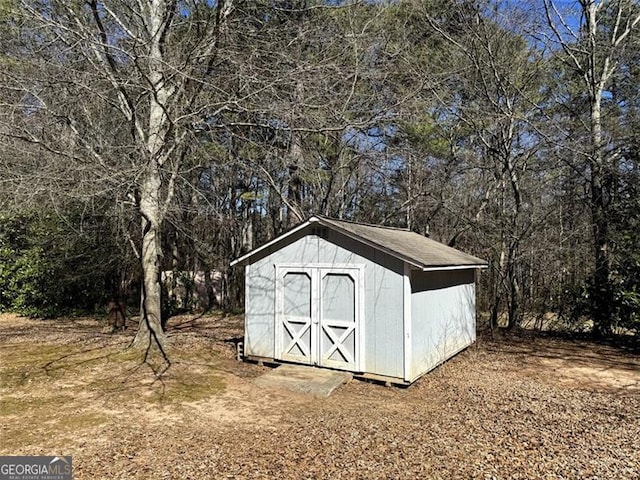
column 338, row 320
column 295, row 321
column 297, row 294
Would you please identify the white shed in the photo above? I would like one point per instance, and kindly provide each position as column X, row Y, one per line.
column 381, row 302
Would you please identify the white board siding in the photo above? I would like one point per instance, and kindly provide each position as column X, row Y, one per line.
column 442, row 315
column 259, row 312
column 383, row 305
column 385, row 327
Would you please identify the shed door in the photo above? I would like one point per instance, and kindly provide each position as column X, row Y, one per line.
column 338, row 315
column 318, row 312
column 294, row 293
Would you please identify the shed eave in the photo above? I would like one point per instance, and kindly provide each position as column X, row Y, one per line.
column 431, row 268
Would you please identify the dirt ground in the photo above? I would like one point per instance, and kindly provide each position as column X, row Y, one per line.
column 522, row 408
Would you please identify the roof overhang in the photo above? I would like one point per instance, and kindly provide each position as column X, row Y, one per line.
column 455, row 267
column 314, row 219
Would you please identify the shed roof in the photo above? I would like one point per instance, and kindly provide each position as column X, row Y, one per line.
column 411, row 247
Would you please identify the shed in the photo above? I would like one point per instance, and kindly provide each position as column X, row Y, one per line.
column 381, row 302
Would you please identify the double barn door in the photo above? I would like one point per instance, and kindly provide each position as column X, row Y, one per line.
column 318, row 312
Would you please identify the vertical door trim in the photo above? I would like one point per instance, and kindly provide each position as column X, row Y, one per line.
column 315, row 315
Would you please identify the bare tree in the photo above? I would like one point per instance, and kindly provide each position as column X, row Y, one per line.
column 490, row 94
column 592, row 39
column 113, row 88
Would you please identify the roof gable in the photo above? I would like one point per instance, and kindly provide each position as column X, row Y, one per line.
column 411, row 247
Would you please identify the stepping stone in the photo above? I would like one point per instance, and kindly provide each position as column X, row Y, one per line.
column 301, row 378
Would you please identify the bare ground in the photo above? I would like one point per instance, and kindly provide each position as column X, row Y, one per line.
column 523, row 408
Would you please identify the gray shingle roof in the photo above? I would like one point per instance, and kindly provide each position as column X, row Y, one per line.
column 401, row 243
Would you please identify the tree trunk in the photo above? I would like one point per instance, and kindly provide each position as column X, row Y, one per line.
column 498, row 279
column 514, row 313
column 601, row 279
column 150, row 330
column 297, row 160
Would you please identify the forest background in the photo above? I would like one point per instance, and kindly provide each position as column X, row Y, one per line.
column 138, row 137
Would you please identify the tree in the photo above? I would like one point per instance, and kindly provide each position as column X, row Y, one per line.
column 486, row 93
column 592, row 49
column 163, row 78
column 135, row 70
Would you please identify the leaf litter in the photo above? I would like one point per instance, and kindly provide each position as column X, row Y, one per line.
column 510, row 408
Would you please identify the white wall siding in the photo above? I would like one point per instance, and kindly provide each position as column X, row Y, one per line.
column 259, row 312
column 385, row 326
column 443, row 316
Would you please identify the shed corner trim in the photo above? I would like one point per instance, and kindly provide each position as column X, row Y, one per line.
column 406, row 320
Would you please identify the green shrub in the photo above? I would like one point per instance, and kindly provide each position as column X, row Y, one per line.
column 47, row 269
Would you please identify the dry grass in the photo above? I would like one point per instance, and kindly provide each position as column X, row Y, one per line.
column 519, row 408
